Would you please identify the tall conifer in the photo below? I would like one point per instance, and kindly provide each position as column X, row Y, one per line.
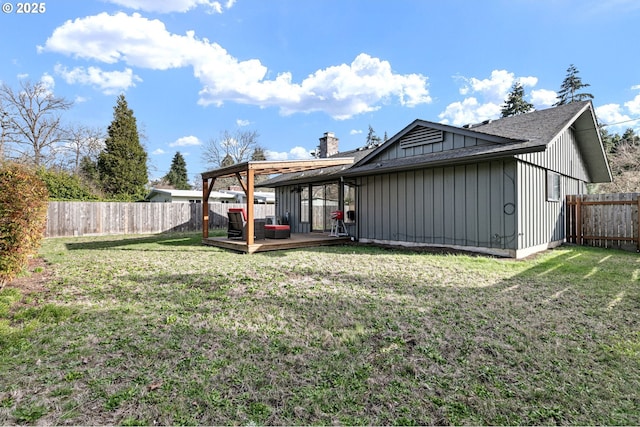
column 571, row 84
column 515, row 103
column 177, row 175
column 122, row 164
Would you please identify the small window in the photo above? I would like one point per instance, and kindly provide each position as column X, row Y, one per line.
column 553, row 187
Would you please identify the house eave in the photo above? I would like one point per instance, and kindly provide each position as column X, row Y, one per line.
column 429, row 161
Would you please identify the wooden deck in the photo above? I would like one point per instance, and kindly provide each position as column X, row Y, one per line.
column 295, row 241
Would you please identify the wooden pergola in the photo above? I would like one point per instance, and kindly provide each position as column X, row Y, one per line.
column 246, row 172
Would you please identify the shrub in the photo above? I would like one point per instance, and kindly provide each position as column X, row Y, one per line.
column 65, row 186
column 23, row 215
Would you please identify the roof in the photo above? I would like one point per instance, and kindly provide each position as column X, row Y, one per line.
column 510, row 136
column 192, row 194
column 520, row 134
column 317, row 175
column 543, row 126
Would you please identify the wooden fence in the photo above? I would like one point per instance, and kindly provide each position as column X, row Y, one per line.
column 105, row 218
column 604, row 220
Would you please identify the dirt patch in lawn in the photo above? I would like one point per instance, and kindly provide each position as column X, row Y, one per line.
column 34, row 279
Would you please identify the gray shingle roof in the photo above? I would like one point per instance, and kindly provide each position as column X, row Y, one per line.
column 511, row 136
column 317, row 174
column 538, row 127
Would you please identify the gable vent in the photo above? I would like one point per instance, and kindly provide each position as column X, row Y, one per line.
column 421, row 136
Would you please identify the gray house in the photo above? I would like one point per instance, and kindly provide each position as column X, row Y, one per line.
column 497, row 187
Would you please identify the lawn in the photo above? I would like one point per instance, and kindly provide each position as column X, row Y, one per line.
column 162, row 330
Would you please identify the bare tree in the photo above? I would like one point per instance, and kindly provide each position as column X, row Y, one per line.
column 33, row 124
column 82, row 142
column 624, row 168
column 238, row 146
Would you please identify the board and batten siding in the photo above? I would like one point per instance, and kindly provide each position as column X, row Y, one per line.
column 541, row 223
column 562, row 156
column 472, row 206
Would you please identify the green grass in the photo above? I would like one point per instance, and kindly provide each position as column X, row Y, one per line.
column 160, row 329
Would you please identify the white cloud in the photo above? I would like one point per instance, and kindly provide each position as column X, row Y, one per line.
column 542, row 98
column 620, row 117
column 243, row 123
column 108, row 82
column 634, row 105
column 186, row 141
column 469, row 111
column 158, row 152
column 484, row 97
column 611, row 114
column 48, row 81
column 167, row 6
column 341, row 91
column 296, row 153
column 355, row 132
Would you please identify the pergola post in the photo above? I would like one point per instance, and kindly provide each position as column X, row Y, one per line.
column 206, row 193
column 250, row 213
column 205, row 209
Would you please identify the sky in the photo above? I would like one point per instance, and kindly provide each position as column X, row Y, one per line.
column 292, row 70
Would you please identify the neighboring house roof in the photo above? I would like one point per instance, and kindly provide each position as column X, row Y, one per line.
column 260, row 196
column 188, row 194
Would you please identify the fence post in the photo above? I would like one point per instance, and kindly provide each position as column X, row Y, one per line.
column 638, row 226
column 568, row 216
column 579, row 240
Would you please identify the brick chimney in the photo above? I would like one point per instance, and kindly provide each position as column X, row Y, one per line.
column 328, row 145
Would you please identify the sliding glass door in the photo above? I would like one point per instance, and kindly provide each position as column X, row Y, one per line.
column 325, row 198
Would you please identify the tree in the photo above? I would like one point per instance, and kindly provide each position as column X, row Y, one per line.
column 177, row 175
column 258, row 154
column 623, row 154
column 31, row 122
column 373, row 140
column 122, row 164
column 230, row 147
column 515, row 103
column 82, row 142
column 570, row 86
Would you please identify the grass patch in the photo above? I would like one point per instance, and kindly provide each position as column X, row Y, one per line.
column 162, row 330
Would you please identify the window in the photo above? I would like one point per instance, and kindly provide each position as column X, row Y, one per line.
column 553, row 187
column 304, row 204
column 349, row 203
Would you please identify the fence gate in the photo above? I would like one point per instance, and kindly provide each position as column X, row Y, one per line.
column 604, row 220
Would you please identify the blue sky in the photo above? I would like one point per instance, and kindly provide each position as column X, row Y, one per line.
column 294, row 69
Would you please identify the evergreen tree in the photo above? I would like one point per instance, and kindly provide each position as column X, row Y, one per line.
column 373, row 140
column 258, row 154
column 570, row 86
column 515, row 103
column 122, row 164
column 177, row 175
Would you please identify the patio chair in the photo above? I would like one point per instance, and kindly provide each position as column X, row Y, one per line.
column 237, row 228
column 237, row 222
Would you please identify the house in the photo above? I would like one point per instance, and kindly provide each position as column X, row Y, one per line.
column 169, row 195
column 260, row 197
column 497, row 187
